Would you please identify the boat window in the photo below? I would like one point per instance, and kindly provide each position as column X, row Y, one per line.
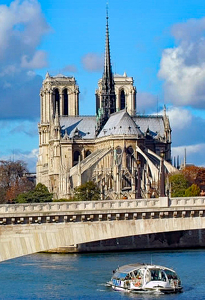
column 157, row 275
column 128, row 277
column 171, row 274
column 119, row 275
column 139, row 273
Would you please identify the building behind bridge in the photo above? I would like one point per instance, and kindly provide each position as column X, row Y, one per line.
column 118, row 148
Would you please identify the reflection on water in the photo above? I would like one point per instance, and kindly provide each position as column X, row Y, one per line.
column 84, row 276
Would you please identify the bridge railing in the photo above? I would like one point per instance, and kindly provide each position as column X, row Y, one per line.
column 187, row 201
column 101, row 205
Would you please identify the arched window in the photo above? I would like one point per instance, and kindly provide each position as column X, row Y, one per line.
column 56, row 101
column 88, row 152
column 76, row 157
column 129, row 158
column 118, row 155
column 65, row 102
column 122, row 99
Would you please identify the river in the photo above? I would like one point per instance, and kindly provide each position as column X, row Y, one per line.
column 83, row 276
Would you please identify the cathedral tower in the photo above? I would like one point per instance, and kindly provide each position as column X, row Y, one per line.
column 59, row 91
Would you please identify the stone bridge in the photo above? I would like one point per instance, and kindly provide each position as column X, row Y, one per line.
column 30, row 228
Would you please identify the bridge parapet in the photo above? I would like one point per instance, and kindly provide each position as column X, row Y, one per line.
column 83, row 206
column 187, row 201
column 78, row 206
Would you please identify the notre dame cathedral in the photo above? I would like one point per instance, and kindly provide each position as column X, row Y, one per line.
column 118, row 149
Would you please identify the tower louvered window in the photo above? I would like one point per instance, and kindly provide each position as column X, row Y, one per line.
column 122, row 99
column 65, row 102
column 56, row 101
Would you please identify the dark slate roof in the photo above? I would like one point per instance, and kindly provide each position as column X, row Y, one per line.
column 80, row 126
column 120, row 123
column 153, row 124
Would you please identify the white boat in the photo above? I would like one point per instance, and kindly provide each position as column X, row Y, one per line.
column 147, row 278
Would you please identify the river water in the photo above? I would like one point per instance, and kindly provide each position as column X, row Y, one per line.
column 83, row 276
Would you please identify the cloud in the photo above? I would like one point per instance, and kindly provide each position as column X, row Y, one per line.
column 29, row 157
column 38, row 61
column 183, row 67
column 70, row 69
column 23, row 27
column 180, row 118
column 192, row 30
column 194, row 153
column 186, row 128
column 28, row 128
column 20, row 96
column 146, row 102
column 187, row 134
column 93, row 62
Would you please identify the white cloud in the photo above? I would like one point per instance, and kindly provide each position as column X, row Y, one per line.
column 22, row 29
column 38, row 61
column 183, row 67
column 179, row 118
column 70, row 69
column 146, row 102
column 187, row 132
column 9, row 70
column 93, row 62
column 30, row 158
column 194, row 153
column 22, row 25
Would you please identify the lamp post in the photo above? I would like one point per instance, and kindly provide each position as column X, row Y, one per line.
column 138, row 179
column 162, row 177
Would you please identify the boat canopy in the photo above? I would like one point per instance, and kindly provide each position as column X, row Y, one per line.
column 130, row 268
column 123, row 271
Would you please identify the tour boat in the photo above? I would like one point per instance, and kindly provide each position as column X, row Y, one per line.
column 145, row 278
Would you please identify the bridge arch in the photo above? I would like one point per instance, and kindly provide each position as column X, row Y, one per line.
column 27, row 229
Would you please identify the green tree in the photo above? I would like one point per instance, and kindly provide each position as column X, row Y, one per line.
column 39, row 194
column 193, row 190
column 179, row 184
column 86, row 192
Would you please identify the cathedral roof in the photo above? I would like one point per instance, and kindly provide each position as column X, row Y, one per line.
column 152, row 124
column 120, row 123
column 78, row 126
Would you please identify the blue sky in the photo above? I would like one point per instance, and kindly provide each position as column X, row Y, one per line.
column 160, row 43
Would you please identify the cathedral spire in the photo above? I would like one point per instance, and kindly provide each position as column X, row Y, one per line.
column 108, row 102
column 107, row 65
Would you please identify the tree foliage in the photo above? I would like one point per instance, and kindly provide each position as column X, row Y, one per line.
column 187, row 182
column 39, row 194
column 193, row 190
column 179, row 184
column 195, row 175
column 87, row 192
column 13, row 180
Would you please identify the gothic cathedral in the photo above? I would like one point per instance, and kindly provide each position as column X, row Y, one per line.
column 118, row 149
